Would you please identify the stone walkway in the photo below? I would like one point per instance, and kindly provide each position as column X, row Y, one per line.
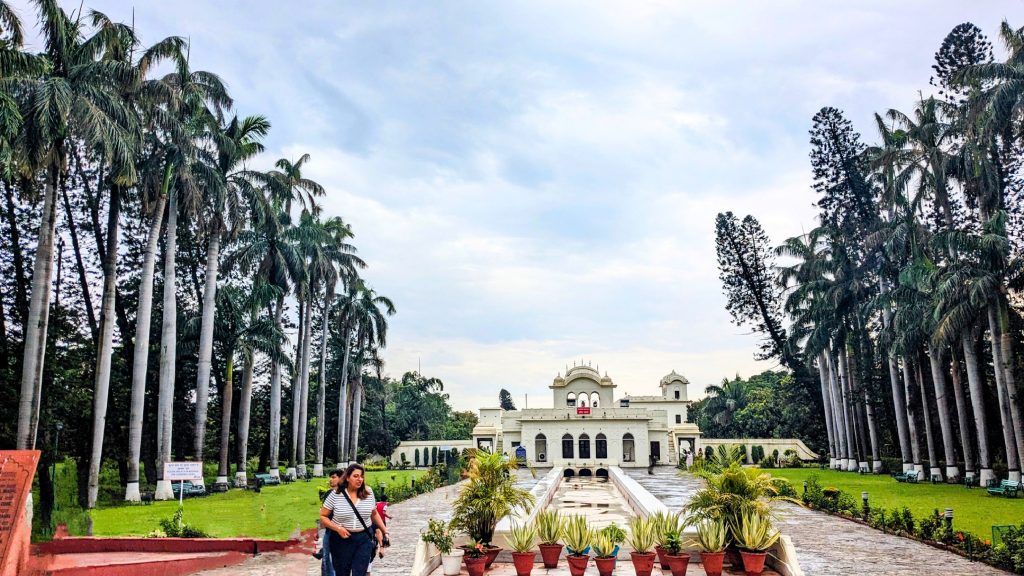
column 408, row 519
column 829, row 545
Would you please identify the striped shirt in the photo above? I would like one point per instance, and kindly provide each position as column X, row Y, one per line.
column 343, row 514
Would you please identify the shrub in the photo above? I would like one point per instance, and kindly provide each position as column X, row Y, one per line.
column 756, row 454
column 175, row 527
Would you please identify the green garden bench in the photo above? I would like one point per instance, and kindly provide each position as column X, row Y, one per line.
column 268, row 480
column 1008, row 488
column 910, row 476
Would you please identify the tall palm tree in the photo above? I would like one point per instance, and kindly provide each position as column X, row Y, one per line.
column 235, row 143
column 203, row 99
column 369, row 313
column 77, row 98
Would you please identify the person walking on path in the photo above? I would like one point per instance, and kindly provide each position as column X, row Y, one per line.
column 324, row 554
column 350, row 511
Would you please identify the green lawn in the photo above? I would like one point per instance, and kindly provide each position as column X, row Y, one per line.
column 973, row 510
column 273, row 513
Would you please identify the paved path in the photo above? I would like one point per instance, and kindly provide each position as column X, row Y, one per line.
column 408, row 519
column 828, row 545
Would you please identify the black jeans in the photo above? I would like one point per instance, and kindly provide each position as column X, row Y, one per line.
column 350, row 556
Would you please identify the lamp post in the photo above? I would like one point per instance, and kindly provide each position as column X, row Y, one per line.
column 805, row 487
column 948, row 515
column 864, row 497
column 56, row 448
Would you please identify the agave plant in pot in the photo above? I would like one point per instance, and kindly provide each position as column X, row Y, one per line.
column 754, row 535
column 712, row 537
column 604, row 553
column 578, row 538
column 522, row 538
column 550, row 526
column 678, row 560
column 641, row 539
column 440, row 535
column 489, row 496
column 663, row 522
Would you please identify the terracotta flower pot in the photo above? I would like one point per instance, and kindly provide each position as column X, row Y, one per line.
column 523, row 562
column 475, row 566
column 577, row 564
column 660, row 551
column 712, row 562
column 753, row 562
column 605, row 566
column 678, row 563
column 491, row 552
column 643, row 564
column 549, row 553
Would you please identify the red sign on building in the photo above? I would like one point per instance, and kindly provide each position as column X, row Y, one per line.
column 583, row 411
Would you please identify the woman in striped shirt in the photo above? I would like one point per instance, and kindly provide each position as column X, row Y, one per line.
column 352, row 550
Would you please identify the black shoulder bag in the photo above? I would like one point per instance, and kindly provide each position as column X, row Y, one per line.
column 373, row 535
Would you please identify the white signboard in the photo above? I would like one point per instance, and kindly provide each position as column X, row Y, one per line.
column 175, row 471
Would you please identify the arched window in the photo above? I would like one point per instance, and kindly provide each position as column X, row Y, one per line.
column 583, row 400
column 602, row 446
column 567, row 446
column 540, row 444
column 627, row 448
column 677, row 394
column 570, row 400
column 584, row 446
column 594, row 399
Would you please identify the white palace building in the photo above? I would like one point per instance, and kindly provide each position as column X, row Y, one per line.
column 589, row 430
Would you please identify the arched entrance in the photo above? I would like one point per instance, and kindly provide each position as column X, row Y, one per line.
column 602, row 473
column 569, row 473
column 586, row 472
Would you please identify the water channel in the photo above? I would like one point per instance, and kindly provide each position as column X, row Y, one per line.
column 597, row 499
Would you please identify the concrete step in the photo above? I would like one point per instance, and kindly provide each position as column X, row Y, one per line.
column 131, row 563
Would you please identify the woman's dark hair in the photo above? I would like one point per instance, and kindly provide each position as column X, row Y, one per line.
column 363, row 491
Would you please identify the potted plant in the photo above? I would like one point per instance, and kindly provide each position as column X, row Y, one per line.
column 754, row 535
column 678, row 561
column 712, row 537
column 549, row 530
column 578, row 537
column 440, row 535
column 641, row 539
column 663, row 522
column 522, row 538
column 616, row 534
column 604, row 553
column 475, row 559
column 489, row 495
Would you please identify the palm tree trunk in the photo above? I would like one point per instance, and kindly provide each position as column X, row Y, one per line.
column 962, row 415
column 321, row 404
column 975, row 384
column 168, row 351
column 204, row 366
column 83, row 281
column 357, row 408
column 291, row 471
column 839, row 404
column 106, row 346
column 849, row 410
column 869, row 414
column 242, row 435
column 38, row 315
column 936, row 358
column 141, row 359
column 933, row 457
column 1009, row 428
column 304, row 383
column 343, row 399
column 225, row 420
column 898, row 399
column 275, row 398
column 826, row 402
column 1009, row 378
column 915, row 441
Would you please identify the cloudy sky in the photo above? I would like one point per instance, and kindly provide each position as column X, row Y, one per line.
column 535, row 183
